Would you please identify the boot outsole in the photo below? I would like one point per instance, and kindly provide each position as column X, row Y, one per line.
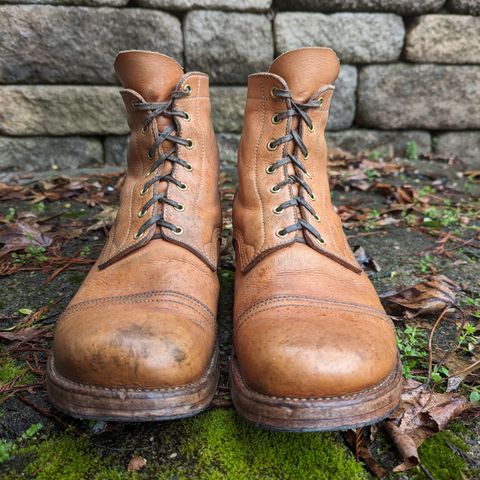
column 130, row 404
column 316, row 414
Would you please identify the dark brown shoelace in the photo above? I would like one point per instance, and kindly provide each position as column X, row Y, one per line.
column 296, row 109
column 155, row 110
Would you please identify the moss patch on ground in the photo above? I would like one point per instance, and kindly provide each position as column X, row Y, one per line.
column 12, row 371
column 443, row 456
column 215, row 445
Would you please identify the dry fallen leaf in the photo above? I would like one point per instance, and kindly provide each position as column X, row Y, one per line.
column 136, row 463
column 359, row 443
column 429, row 296
column 421, row 414
column 24, row 335
column 104, row 219
column 18, row 236
column 365, row 260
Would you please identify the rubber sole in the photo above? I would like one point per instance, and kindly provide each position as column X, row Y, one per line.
column 316, row 414
column 129, row 404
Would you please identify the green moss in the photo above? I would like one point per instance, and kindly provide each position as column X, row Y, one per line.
column 11, row 370
column 441, row 460
column 64, row 457
column 223, row 446
column 214, row 445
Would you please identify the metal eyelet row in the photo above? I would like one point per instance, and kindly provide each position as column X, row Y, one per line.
column 177, row 231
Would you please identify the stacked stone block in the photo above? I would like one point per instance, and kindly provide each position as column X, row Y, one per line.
column 410, row 70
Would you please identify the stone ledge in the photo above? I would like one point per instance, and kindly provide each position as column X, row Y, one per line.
column 228, row 105
column 465, row 145
column 50, row 44
column 342, row 110
column 61, row 110
column 444, row 39
column 183, row 5
column 468, row 7
column 73, row 3
column 403, row 7
column 228, row 46
column 354, row 36
column 357, row 140
column 45, row 153
column 431, row 97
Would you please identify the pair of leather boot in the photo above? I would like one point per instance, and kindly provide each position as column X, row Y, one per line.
column 313, row 347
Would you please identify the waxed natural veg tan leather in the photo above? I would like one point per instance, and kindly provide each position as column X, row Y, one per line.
column 144, row 320
column 308, row 324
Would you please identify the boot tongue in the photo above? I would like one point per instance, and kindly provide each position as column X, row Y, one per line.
column 306, row 70
column 153, row 75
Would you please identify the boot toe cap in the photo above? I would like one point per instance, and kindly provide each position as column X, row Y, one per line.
column 135, row 347
column 304, row 352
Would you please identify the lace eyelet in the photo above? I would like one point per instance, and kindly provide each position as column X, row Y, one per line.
column 275, row 189
column 270, row 169
column 322, row 241
column 320, row 101
column 187, row 89
column 148, row 173
column 190, row 143
column 312, row 197
column 149, row 156
column 281, row 233
column 145, row 129
column 141, row 213
column 270, row 145
column 178, row 230
column 188, row 167
column 275, row 120
column 180, row 207
column 307, row 175
column 273, row 92
column 316, row 218
column 306, row 157
column 312, row 129
column 182, row 186
column 277, row 210
column 143, row 191
column 187, row 117
column 138, row 235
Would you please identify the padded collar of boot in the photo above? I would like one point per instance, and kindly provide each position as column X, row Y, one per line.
column 153, row 75
column 305, row 70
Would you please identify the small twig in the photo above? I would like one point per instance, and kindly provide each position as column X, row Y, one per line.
column 46, row 413
column 430, row 344
column 470, row 369
column 424, row 469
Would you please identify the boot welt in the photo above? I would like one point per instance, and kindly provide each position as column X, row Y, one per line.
column 131, row 404
column 316, row 414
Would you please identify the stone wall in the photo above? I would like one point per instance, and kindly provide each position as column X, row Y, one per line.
column 410, row 70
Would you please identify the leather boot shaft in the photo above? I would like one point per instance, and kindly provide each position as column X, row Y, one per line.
column 285, row 184
column 185, row 180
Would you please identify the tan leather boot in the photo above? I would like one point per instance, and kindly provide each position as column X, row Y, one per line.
column 313, row 347
column 137, row 342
